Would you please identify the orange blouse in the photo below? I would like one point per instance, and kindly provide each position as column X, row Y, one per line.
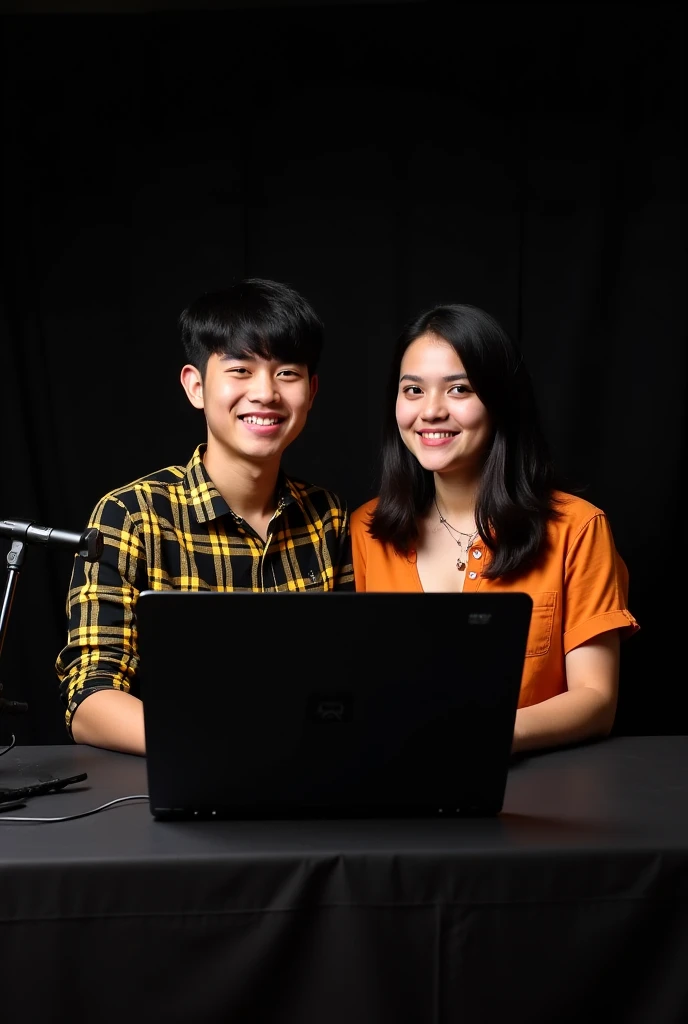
column 579, row 587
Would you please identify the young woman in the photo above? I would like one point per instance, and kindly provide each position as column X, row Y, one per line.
column 469, row 501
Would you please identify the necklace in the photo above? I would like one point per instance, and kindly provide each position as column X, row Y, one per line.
column 451, row 530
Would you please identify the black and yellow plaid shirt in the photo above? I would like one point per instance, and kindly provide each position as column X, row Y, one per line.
column 173, row 530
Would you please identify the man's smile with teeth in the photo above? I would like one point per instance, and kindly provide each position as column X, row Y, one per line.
column 262, row 421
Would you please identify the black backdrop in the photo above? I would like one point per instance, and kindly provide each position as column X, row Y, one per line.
column 527, row 158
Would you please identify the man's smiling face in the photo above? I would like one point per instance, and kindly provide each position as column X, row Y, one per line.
column 254, row 407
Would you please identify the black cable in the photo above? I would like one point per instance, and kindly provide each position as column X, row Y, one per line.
column 81, row 814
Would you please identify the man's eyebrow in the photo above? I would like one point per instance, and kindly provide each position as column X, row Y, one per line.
column 418, row 380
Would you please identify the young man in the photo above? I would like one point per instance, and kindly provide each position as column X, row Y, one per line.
column 229, row 520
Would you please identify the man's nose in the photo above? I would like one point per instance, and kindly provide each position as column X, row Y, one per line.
column 263, row 388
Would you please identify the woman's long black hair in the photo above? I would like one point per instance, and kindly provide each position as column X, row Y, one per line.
column 515, row 496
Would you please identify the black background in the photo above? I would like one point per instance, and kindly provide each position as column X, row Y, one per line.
column 527, row 158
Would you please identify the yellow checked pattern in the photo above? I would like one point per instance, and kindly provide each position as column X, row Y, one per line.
column 172, row 530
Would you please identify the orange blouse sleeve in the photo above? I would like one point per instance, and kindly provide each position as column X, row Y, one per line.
column 596, row 586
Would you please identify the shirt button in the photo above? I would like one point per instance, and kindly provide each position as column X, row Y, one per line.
column 477, row 553
column 472, row 575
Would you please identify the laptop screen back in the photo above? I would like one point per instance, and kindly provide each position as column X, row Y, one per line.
column 329, row 704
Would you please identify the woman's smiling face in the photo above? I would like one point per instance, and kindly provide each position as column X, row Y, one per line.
column 441, row 420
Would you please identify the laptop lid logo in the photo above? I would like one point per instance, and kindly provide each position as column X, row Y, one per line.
column 330, row 708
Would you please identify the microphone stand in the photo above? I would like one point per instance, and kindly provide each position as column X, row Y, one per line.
column 15, row 561
column 88, row 544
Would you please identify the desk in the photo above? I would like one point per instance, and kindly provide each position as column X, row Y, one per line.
column 572, row 904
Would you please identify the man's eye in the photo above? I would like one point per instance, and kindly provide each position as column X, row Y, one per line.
column 288, row 373
column 237, row 369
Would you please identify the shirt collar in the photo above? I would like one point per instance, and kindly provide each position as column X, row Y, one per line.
column 206, row 502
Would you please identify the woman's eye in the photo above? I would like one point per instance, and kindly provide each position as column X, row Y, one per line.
column 460, row 389
column 412, row 389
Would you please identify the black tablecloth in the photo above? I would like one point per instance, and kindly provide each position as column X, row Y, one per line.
column 574, row 902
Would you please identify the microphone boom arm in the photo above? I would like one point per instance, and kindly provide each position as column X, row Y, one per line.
column 88, row 544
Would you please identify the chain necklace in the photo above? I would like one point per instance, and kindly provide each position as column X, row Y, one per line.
column 460, row 561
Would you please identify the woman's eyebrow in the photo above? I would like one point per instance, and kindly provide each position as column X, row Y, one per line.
column 418, row 380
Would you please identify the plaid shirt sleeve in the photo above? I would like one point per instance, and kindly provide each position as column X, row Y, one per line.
column 101, row 643
column 343, row 568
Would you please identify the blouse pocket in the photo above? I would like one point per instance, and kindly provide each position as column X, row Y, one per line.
column 541, row 621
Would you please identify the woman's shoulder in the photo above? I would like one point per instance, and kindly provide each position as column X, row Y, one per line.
column 360, row 516
column 575, row 510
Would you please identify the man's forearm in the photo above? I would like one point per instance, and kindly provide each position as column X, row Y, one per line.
column 111, row 719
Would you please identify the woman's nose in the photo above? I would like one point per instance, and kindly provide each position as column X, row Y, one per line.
column 433, row 408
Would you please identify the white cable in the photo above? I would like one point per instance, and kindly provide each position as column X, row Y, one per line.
column 82, row 814
column 11, row 744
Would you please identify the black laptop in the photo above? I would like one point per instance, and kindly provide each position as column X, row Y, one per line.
column 342, row 704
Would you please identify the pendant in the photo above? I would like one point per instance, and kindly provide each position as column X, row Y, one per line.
column 460, row 564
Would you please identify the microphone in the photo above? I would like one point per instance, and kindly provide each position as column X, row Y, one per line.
column 88, row 544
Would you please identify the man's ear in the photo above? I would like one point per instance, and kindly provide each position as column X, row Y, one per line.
column 193, row 385
column 314, row 390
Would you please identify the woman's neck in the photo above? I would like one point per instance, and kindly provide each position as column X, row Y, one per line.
column 455, row 499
